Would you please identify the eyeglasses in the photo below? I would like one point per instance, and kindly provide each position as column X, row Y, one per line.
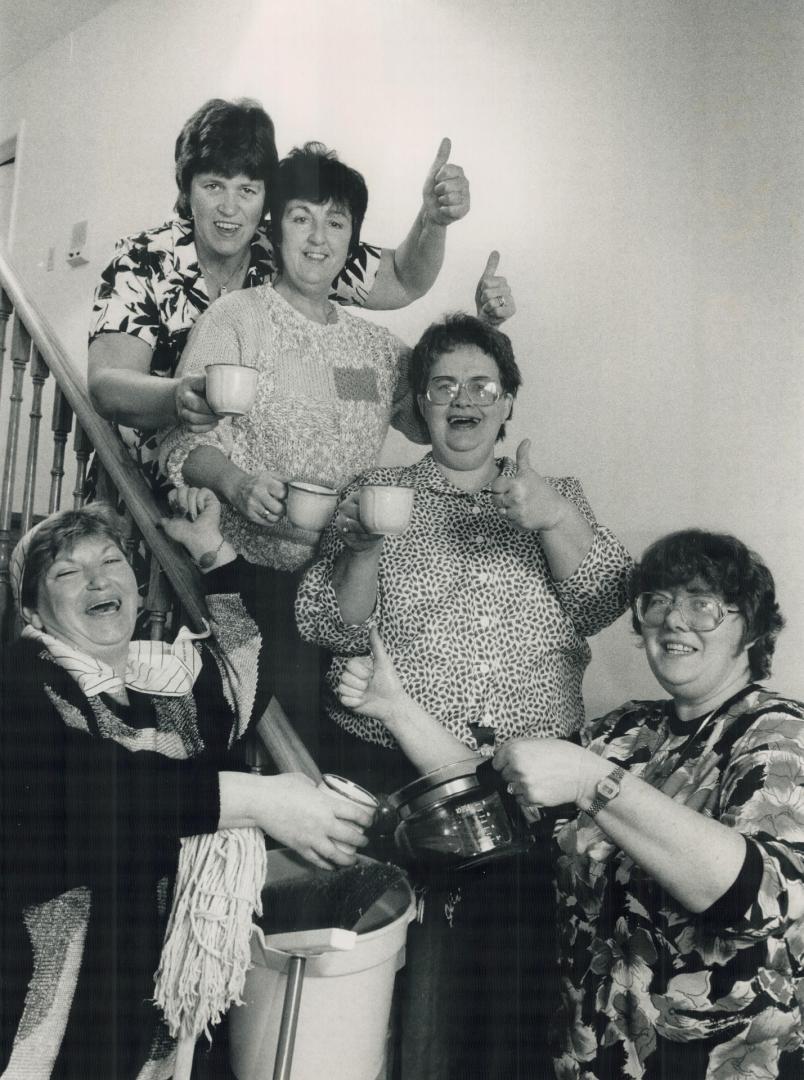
column 700, row 611
column 480, row 391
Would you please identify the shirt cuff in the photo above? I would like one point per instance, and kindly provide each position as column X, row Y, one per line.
column 198, row 801
column 730, row 908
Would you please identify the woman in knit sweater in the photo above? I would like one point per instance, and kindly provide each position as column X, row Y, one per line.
column 329, row 385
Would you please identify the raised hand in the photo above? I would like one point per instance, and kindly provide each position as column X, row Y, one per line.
column 446, row 190
column 493, row 297
column 260, row 497
column 371, row 687
column 196, row 519
column 526, row 499
column 192, row 409
column 347, row 521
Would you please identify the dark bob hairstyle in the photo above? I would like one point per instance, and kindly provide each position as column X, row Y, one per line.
column 225, row 137
column 57, row 535
column 729, row 569
column 451, row 333
column 314, row 174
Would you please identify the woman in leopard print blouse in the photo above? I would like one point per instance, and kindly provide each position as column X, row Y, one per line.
column 484, row 605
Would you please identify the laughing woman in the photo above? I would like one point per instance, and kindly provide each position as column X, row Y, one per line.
column 681, row 877
column 113, row 753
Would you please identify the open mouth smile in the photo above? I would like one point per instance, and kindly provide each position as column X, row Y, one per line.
column 227, row 227
column 104, row 607
column 677, row 648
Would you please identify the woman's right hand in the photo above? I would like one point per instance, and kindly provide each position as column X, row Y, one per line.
column 347, row 521
column 323, row 828
column 260, row 497
column 369, row 685
column 192, row 408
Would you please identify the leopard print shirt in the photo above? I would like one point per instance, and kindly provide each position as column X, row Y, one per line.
column 478, row 629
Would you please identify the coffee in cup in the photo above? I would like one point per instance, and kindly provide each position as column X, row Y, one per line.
column 231, row 388
column 310, row 506
column 385, row 508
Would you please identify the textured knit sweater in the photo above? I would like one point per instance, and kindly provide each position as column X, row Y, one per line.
column 325, row 397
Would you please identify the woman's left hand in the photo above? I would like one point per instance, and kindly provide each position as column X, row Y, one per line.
column 196, row 519
column 446, row 190
column 493, row 297
column 527, row 500
column 547, row 772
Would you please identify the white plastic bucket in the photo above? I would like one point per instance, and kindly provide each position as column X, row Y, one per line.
column 345, row 1000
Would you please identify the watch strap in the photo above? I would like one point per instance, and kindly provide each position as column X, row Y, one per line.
column 607, row 789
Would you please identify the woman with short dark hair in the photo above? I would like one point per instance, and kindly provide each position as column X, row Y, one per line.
column 328, row 386
column 161, row 280
column 681, row 872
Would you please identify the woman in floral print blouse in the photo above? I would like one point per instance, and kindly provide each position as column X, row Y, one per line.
column 161, row 280
column 681, row 877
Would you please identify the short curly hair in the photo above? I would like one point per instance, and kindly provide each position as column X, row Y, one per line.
column 451, row 333
column 314, row 173
column 229, row 138
column 729, row 569
column 58, row 534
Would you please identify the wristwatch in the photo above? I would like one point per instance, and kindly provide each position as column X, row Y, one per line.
column 607, row 789
column 207, row 560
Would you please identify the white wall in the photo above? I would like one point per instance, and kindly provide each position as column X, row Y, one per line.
column 639, row 165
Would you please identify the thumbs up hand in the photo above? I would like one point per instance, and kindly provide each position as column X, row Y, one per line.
column 493, row 297
column 526, row 499
column 446, row 189
column 369, row 686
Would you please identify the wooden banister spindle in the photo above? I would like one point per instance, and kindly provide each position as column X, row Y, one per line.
column 39, row 373
column 83, row 449
column 21, row 348
column 157, row 602
column 61, row 425
column 6, row 311
column 131, row 535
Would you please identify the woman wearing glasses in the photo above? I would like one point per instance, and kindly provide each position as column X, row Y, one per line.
column 484, row 605
column 681, row 876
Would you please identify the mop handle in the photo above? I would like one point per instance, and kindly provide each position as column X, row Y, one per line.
column 290, row 1018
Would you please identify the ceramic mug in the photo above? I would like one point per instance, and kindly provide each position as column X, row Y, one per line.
column 347, row 789
column 231, row 388
column 310, row 506
column 385, row 509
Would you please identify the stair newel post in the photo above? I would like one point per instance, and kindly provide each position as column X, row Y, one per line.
column 61, row 425
column 39, row 373
column 83, row 449
column 21, row 349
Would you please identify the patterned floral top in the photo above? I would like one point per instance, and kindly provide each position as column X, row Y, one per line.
column 326, row 394
column 650, row 989
column 478, row 629
column 153, row 289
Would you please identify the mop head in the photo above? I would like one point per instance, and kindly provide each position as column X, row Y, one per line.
column 326, row 898
column 206, row 951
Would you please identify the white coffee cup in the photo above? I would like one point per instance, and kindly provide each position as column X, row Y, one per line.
column 310, row 506
column 231, row 388
column 351, row 792
column 385, row 508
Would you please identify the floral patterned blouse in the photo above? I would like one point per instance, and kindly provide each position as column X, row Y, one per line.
column 153, row 289
column 479, row 631
column 650, row 989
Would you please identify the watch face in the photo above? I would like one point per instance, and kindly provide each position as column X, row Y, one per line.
column 608, row 787
column 207, row 559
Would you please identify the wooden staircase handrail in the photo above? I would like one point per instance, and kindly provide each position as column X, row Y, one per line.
column 120, row 467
